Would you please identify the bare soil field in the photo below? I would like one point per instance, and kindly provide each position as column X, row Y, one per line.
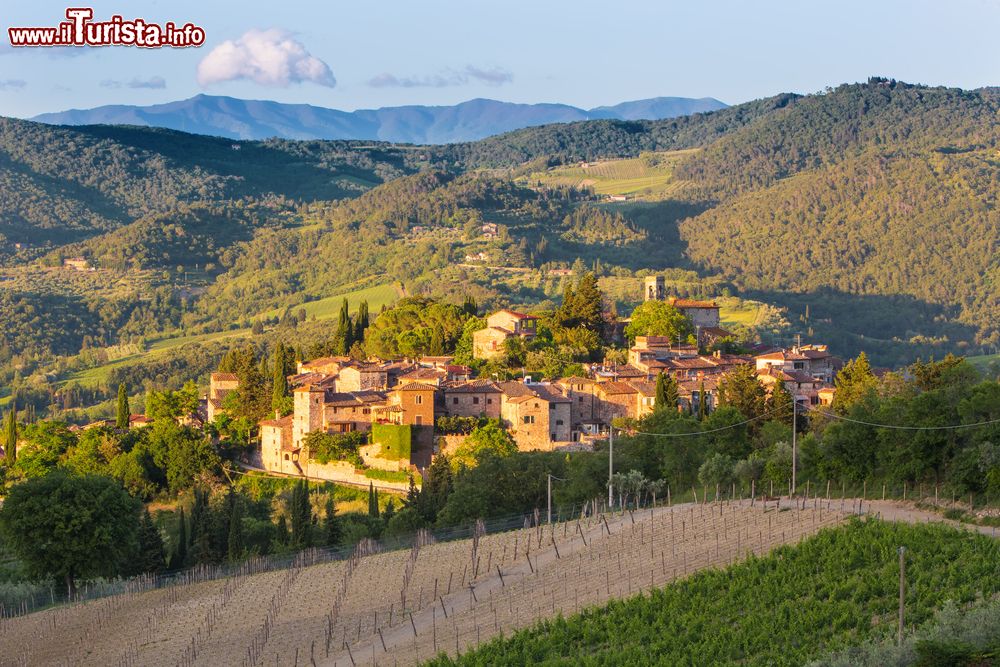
column 402, row 607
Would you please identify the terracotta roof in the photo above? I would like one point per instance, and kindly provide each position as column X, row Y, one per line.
column 424, row 374
column 225, row 377
column 782, row 355
column 575, row 379
column 415, row 386
column 279, row 423
column 520, row 316
column 616, row 388
column 718, row 332
column 437, row 360
column 518, row 392
column 691, row 303
column 474, row 387
column 347, row 399
column 645, row 388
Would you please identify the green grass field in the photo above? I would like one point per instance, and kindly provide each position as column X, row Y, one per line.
column 649, row 176
column 329, row 307
column 984, row 360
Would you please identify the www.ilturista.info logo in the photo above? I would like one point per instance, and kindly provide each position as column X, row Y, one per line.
column 81, row 30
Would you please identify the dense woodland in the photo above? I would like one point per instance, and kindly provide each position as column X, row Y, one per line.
column 865, row 210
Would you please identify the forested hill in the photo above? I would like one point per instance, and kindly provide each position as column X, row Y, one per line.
column 868, row 210
column 62, row 184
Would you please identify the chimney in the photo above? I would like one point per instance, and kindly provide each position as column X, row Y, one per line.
column 277, row 414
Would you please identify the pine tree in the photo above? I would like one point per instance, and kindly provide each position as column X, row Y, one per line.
column 332, row 525
column 151, row 557
column 10, row 435
column 122, row 415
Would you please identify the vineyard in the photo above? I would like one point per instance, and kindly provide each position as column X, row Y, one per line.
column 836, row 589
column 647, row 177
column 406, row 606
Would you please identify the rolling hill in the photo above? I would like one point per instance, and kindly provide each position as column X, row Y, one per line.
column 260, row 119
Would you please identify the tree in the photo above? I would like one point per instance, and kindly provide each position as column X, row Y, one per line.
column 235, row 545
column 180, row 551
column 372, row 501
column 740, row 389
column 280, row 401
column 853, row 382
column 658, row 318
column 331, row 527
column 490, row 437
column 716, row 471
column 71, row 527
column 702, row 401
column 122, row 414
column 300, row 513
column 10, row 435
column 666, row 393
column 779, row 403
column 151, row 554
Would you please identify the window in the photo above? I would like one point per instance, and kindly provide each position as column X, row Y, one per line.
column 489, row 401
column 475, row 400
column 286, row 457
column 529, row 419
column 559, row 422
column 580, row 399
column 552, row 436
column 418, row 399
column 454, row 401
column 418, row 420
column 798, row 365
column 536, row 405
column 552, row 406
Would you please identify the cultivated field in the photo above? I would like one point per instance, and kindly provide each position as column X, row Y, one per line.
column 406, row 606
column 649, row 176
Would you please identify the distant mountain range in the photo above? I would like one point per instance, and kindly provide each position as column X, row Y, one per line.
column 469, row 121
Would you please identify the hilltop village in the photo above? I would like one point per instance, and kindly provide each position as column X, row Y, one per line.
column 400, row 413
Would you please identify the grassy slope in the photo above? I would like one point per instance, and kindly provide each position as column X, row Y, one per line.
column 329, row 307
column 838, row 588
column 646, row 177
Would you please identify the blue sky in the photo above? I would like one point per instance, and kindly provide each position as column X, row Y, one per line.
column 367, row 54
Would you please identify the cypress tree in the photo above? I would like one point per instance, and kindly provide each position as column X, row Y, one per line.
column 234, row 544
column 300, row 513
column 372, row 501
column 10, row 435
column 361, row 323
column 122, row 415
column 279, row 382
column 151, row 557
column 437, row 341
column 180, row 553
column 332, row 525
column 666, row 393
column 281, row 535
column 702, row 401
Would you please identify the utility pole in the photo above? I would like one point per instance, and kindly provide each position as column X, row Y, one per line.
column 611, row 465
column 902, row 589
column 795, row 413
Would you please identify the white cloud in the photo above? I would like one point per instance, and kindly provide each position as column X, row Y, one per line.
column 154, row 82
column 267, row 57
column 471, row 74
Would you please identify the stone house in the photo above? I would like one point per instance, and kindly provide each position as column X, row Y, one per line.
column 219, row 385
column 478, row 398
column 501, row 325
column 277, row 451
column 537, row 415
column 416, row 400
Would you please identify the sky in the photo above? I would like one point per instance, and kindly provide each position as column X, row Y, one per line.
column 351, row 55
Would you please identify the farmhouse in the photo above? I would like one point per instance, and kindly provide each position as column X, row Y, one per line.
column 219, row 385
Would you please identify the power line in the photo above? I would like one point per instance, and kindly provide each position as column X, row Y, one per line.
column 903, row 428
column 714, row 430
